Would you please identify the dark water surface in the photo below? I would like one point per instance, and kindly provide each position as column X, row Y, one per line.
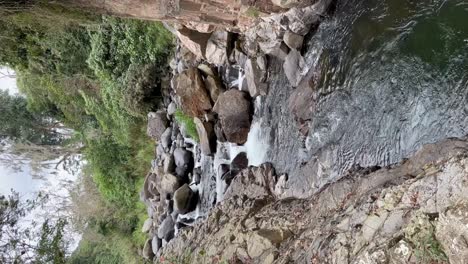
column 393, row 76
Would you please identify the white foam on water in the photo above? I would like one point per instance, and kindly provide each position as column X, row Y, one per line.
column 257, row 145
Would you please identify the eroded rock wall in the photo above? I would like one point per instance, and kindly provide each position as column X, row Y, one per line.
column 413, row 212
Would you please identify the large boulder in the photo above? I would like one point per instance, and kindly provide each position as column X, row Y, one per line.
column 293, row 66
column 147, row 250
column 147, row 225
column 185, row 200
column 149, row 189
column 165, row 140
column 206, row 134
column 191, row 92
column 184, row 163
column 239, row 163
column 217, row 47
column 254, row 74
column 166, row 229
column 156, row 244
column 157, row 124
column 234, row 111
column 293, row 40
column 169, row 183
column 194, row 41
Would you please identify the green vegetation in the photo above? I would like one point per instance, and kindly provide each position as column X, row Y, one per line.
column 188, row 123
column 99, row 76
column 421, row 234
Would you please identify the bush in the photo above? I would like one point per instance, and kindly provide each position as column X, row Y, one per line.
column 188, row 123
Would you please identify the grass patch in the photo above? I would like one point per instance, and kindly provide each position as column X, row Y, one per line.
column 188, row 123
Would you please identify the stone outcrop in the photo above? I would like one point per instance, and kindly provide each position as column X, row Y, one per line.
column 157, row 124
column 413, row 212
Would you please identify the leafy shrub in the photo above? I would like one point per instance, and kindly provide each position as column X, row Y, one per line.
column 188, row 123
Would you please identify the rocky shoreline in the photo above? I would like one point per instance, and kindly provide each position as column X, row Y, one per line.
column 211, row 197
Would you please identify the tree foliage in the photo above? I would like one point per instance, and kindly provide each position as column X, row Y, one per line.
column 20, row 242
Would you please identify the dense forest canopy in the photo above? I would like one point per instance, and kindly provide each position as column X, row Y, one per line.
column 99, row 76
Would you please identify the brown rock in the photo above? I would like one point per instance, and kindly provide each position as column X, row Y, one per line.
column 184, row 200
column 206, row 135
column 193, row 40
column 293, row 66
column 169, row 183
column 234, row 111
column 190, row 89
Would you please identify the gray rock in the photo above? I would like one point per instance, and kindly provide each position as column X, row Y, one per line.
column 214, row 87
column 171, row 109
column 166, row 139
column 293, row 66
column 156, row 244
column 182, row 157
column 234, row 111
column 293, row 40
column 147, row 225
column 169, row 163
column 157, row 124
column 206, row 134
column 254, row 74
column 275, row 48
column 216, row 48
column 184, row 199
column 148, row 251
column 166, row 229
column 169, row 183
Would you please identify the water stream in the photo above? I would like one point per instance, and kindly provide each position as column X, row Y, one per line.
column 390, row 76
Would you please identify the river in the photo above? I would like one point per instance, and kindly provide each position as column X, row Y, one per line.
column 386, row 76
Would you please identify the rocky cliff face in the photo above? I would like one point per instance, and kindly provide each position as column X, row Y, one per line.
column 413, row 212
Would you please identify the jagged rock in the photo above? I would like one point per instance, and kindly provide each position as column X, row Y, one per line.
column 214, row 87
column 206, row 135
column 194, row 41
column 452, row 233
column 293, row 40
column 234, row 111
column 216, row 48
column 184, row 200
column 171, row 109
column 147, row 225
column 293, row 66
column 149, row 191
column 156, row 244
column 275, row 48
column 219, row 132
column 147, row 250
column 238, row 57
column 254, row 74
column 157, row 124
column 169, row 163
column 166, row 229
column 206, row 69
column 190, row 90
column 165, row 140
column 239, row 163
column 200, row 27
column 301, row 102
column 169, row 183
column 301, row 19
